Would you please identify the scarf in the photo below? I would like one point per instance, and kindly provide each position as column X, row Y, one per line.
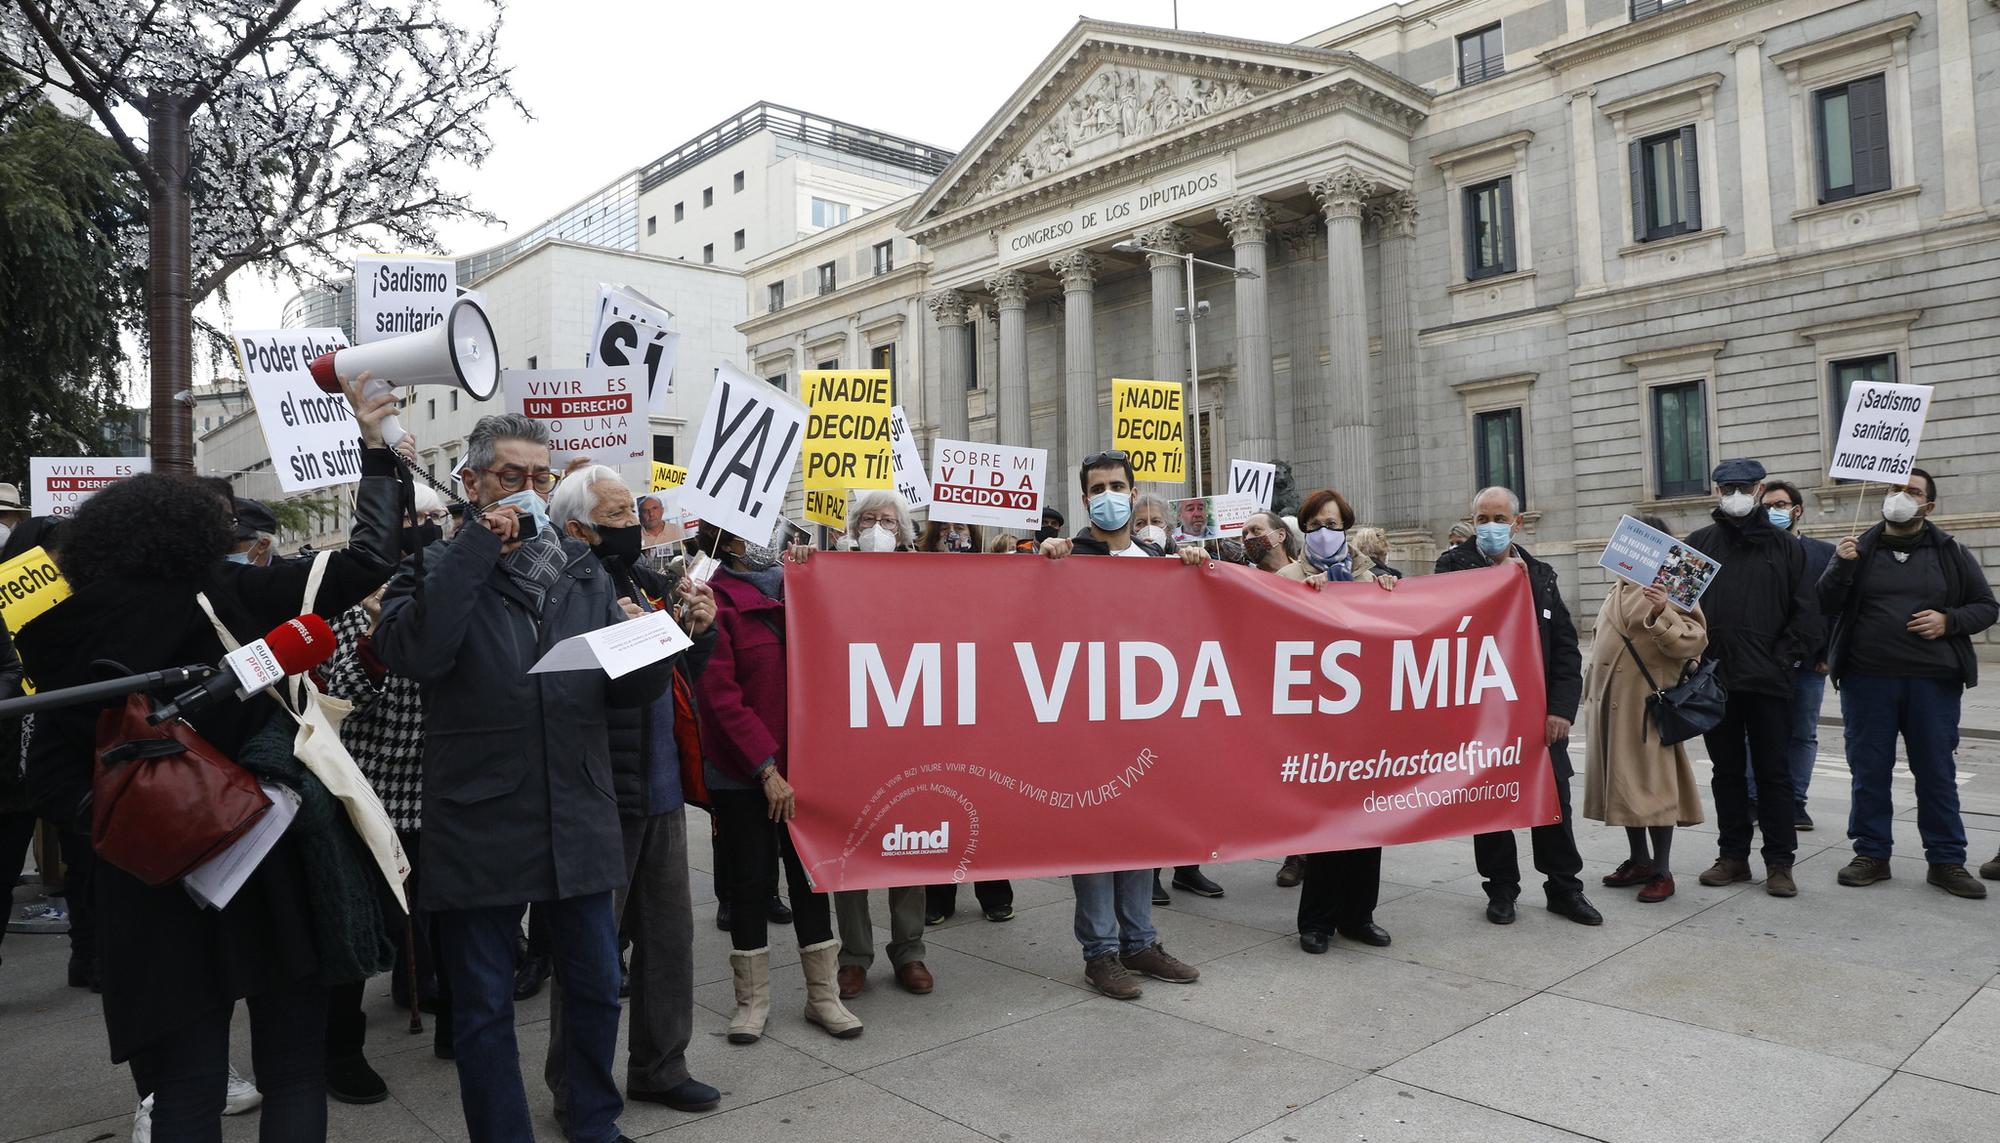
column 535, row 565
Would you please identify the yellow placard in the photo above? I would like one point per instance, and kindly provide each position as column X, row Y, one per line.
column 29, row 585
column 1149, row 423
column 849, row 439
column 667, row 476
column 828, row 507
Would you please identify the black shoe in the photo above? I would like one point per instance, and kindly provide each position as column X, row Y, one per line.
column 780, row 913
column 1194, row 881
column 939, row 918
column 529, row 978
column 351, row 1080
column 722, row 915
column 687, row 1095
column 82, row 974
column 1802, row 821
column 1313, row 941
column 441, row 1045
column 1159, row 892
column 1573, row 906
column 1500, row 910
column 624, row 980
column 1000, row 913
column 1368, row 934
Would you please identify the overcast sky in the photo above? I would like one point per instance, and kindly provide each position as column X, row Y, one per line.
column 615, row 85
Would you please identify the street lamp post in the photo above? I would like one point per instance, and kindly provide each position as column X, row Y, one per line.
column 1192, row 314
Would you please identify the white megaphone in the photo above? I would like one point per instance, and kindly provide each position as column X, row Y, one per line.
column 459, row 351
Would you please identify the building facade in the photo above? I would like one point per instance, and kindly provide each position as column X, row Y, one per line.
column 1581, row 248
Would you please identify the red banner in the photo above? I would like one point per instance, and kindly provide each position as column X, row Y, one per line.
column 957, row 718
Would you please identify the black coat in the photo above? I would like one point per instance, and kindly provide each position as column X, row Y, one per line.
column 1562, row 662
column 1763, row 614
column 1968, row 603
column 167, row 963
column 630, row 730
column 13, row 793
column 518, row 802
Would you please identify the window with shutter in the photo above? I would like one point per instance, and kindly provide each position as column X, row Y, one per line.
column 1680, row 439
column 1851, row 130
column 1666, row 185
column 1498, row 453
column 1489, row 228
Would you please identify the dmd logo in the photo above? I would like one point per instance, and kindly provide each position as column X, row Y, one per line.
column 900, row 842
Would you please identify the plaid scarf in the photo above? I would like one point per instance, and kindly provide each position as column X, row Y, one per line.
column 536, row 565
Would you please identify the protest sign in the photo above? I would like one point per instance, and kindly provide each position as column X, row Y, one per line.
column 311, row 435
column 29, row 585
column 992, row 485
column 395, row 295
column 827, row 507
column 662, row 520
column 848, row 429
column 1650, row 557
column 57, row 484
column 1880, row 431
column 593, row 412
column 631, row 332
column 1200, row 518
column 744, row 453
column 1041, row 732
column 1258, row 479
column 1148, row 423
column 912, row 482
column 668, row 476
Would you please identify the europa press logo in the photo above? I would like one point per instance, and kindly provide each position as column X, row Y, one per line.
column 902, row 842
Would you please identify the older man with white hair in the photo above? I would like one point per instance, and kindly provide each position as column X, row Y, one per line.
column 1496, row 524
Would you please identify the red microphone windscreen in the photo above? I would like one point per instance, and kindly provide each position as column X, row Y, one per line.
column 301, row 644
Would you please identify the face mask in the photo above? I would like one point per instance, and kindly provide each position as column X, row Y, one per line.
column 238, row 557
column 1255, row 548
column 1738, row 504
column 1153, row 534
column 5, row 532
column 530, row 503
column 1326, row 546
column 957, row 542
column 1111, row 511
column 619, row 545
column 757, row 557
column 877, row 539
column 1781, row 518
column 422, row 536
column 1493, row 539
column 1899, row 507
column 1049, row 533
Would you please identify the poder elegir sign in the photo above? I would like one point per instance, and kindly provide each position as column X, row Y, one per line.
column 593, row 412
column 311, row 435
column 1880, row 431
column 1041, row 732
column 396, row 295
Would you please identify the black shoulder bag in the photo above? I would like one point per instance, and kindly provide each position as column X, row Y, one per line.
column 1690, row 707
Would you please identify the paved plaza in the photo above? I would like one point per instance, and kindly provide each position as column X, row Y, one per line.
column 1846, row 1015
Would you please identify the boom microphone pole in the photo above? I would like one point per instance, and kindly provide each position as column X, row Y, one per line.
column 171, row 678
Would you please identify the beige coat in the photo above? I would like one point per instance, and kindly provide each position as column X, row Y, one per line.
column 1362, row 567
column 1629, row 779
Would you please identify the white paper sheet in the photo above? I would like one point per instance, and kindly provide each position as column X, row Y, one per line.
column 619, row 649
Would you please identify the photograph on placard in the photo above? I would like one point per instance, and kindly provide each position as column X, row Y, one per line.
column 662, row 520
column 1652, row 558
column 1201, row 518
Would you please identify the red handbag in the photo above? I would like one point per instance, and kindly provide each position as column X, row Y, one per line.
column 687, row 742
column 163, row 800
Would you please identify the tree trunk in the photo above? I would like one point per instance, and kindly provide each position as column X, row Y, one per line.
column 169, row 294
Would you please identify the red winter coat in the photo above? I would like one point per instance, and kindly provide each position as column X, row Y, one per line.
column 743, row 688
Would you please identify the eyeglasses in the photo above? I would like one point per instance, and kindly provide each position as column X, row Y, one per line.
column 1785, row 504
column 513, row 479
column 1108, row 456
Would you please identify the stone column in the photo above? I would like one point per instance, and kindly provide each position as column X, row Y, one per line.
column 1010, row 290
column 1754, row 174
column 1080, row 428
column 1339, row 409
column 1249, row 220
column 1583, row 177
column 1397, row 502
column 1956, row 98
column 948, row 309
column 1170, row 361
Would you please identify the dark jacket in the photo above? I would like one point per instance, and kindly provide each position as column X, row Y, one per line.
column 636, row 759
column 1967, row 603
column 518, row 801
column 1763, row 616
column 743, row 715
column 1562, row 662
column 13, row 792
column 1819, row 554
column 167, row 963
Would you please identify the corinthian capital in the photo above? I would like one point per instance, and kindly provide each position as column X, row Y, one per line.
column 1078, row 269
column 1247, row 218
column 1009, row 288
column 1168, row 237
column 1341, row 192
column 948, row 307
column 1395, row 214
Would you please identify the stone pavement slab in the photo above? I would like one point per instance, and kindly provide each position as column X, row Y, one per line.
column 1909, row 1109
column 1966, row 1050
column 844, row 1108
column 1380, row 1110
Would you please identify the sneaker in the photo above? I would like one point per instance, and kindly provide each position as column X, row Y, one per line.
column 1864, row 871
column 1628, row 874
column 1109, row 977
column 1954, row 880
column 1725, row 871
column 1000, row 913
column 1991, row 870
column 1291, row 872
column 142, row 1121
column 1154, row 961
column 243, row 1095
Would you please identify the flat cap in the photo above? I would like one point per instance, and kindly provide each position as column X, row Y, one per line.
column 252, row 517
column 1739, row 471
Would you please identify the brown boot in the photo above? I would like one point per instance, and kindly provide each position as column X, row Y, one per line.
column 1991, row 870
column 1725, row 871
column 1291, row 872
column 1954, row 880
column 1778, row 881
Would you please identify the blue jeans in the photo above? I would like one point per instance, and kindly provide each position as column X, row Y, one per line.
column 1114, row 912
column 1808, row 691
column 1924, row 712
column 479, row 955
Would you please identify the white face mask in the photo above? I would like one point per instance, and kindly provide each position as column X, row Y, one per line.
column 1738, row 504
column 1899, row 507
column 876, row 538
column 1154, row 535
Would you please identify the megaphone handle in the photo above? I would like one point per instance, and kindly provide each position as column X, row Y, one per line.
column 392, row 429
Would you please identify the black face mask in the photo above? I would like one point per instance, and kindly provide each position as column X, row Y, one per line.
column 617, row 544
column 421, row 536
column 1049, row 533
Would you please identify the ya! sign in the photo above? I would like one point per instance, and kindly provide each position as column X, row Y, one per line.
column 744, row 454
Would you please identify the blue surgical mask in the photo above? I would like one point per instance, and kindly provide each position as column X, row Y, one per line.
column 530, row 503
column 238, row 557
column 1493, row 539
column 1781, row 518
column 1111, row 511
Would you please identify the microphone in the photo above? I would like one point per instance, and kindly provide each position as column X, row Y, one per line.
column 293, row 647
